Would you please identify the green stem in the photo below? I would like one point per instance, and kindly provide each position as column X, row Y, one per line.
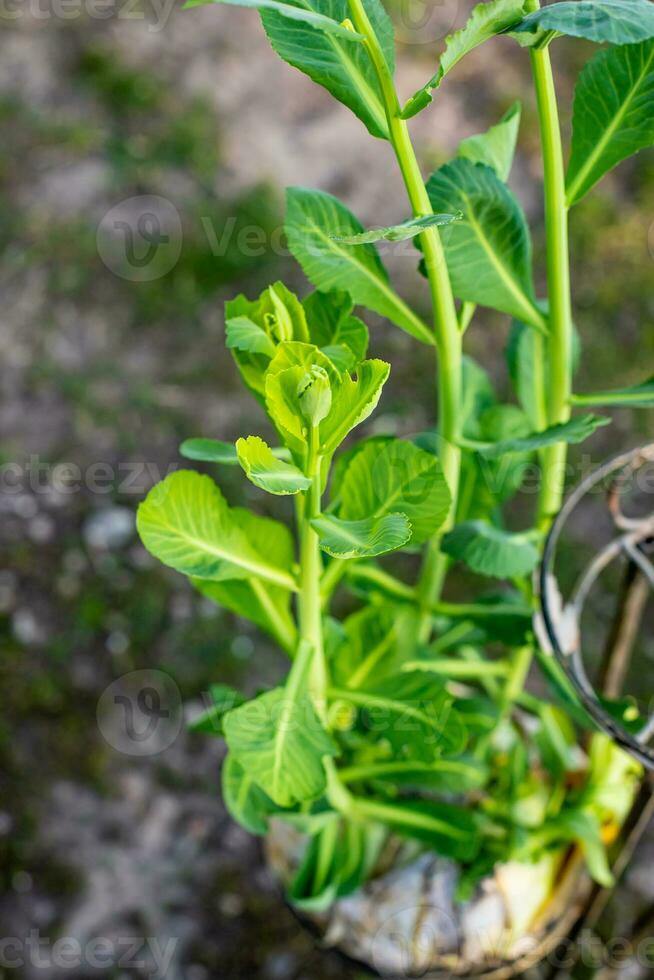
column 515, row 683
column 309, row 600
column 558, row 281
column 446, row 325
column 392, row 586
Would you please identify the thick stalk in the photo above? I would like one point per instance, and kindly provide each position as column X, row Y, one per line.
column 558, row 281
column 446, row 327
column 309, row 599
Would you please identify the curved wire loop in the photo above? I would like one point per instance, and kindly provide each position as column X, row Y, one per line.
column 635, row 540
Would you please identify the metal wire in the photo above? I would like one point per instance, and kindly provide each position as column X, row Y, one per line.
column 634, row 540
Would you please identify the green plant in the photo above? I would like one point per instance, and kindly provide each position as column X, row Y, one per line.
column 410, row 715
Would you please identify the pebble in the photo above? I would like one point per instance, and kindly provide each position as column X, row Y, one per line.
column 109, row 529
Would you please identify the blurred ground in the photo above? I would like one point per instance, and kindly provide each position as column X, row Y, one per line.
column 106, row 375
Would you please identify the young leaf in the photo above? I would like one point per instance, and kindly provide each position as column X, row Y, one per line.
column 304, row 14
column 279, row 741
column 267, row 472
column 312, row 219
column 398, row 233
column 489, row 550
column 353, row 401
column 496, row 147
column 266, row 605
column 245, row 335
column 612, row 21
column 342, row 337
column 613, row 114
column 186, row 523
column 244, row 800
column 574, row 431
column 485, row 21
column 254, row 329
column 488, row 252
column 638, row 396
column 223, row 699
column 209, row 451
column 362, row 539
column 215, row 451
column 343, row 68
column 396, row 477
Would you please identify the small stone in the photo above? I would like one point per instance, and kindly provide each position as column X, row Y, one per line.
column 41, row 529
column 22, row 882
column 26, row 627
column 242, row 647
column 109, row 529
column 117, row 642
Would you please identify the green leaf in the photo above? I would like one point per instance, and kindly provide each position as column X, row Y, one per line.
column 186, row 523
column 209, row 451
column 489, row 550
column 398, row 233
column 613, row 114
column 279, row 741
column 353, row 401
column 488, row 252
column 369, row 645
column 411, row 712
column 556, row 741
column 312, row 218
column 612, row 21
column 362, row 539
column 525, row 354
column 583, row 827
column 503, row 475
column 343, row 68
column 496, row 147
column 305, row 14
column 456, row 775
column 223, row 699
column 244, row 334
column 265, row 604
column 254, row 329
column 342, row 337
column 450, row 830
column 266, row 471
column 244, row 800
column 637, row 396
column 478, row 395
column 485, row 21
column 398, row 477
column 337, row 861
column 574, row 431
